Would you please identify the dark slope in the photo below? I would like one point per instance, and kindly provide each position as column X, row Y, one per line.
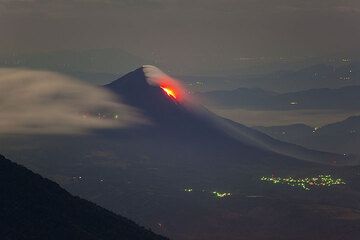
column 33, row 207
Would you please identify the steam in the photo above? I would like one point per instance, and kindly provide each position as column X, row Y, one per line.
column 158, row 78
column 41, row 102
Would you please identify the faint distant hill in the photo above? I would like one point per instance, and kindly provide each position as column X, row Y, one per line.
column 256, row 98
column 33, row 207
column 288, row 133
column 95, row 65
column 341, row 137
column 316, row 76
column 282, row 78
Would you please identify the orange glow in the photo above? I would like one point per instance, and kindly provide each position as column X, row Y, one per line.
column 170, row 92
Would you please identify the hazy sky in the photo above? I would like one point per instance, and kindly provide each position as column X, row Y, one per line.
column 183, row 32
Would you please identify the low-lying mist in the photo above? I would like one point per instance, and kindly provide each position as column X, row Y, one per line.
column 42, row 102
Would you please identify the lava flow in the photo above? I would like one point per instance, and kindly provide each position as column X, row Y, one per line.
column 169, row 91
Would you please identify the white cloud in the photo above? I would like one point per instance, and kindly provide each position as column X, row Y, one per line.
column 39, row 102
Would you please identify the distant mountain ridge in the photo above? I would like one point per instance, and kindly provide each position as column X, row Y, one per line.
column 316, row 76
column 33, row 207
column 341, row 137
column 282, row 79
column 258, row 99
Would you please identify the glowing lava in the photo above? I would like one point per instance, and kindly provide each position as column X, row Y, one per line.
column 170, row 92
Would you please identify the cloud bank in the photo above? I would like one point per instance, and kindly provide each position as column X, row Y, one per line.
column 40, row 102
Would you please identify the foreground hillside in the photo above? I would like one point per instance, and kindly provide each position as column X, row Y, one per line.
column 33, row 207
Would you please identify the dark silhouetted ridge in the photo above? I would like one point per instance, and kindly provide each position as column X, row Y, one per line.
column 33, row 207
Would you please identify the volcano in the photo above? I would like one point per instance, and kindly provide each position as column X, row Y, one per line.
column 172, row 109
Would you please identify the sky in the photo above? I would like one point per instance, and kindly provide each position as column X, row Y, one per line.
column 183, row 33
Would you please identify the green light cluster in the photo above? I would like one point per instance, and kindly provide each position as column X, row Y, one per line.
column 216, row 194
column 221, row 194
column 305, row 183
